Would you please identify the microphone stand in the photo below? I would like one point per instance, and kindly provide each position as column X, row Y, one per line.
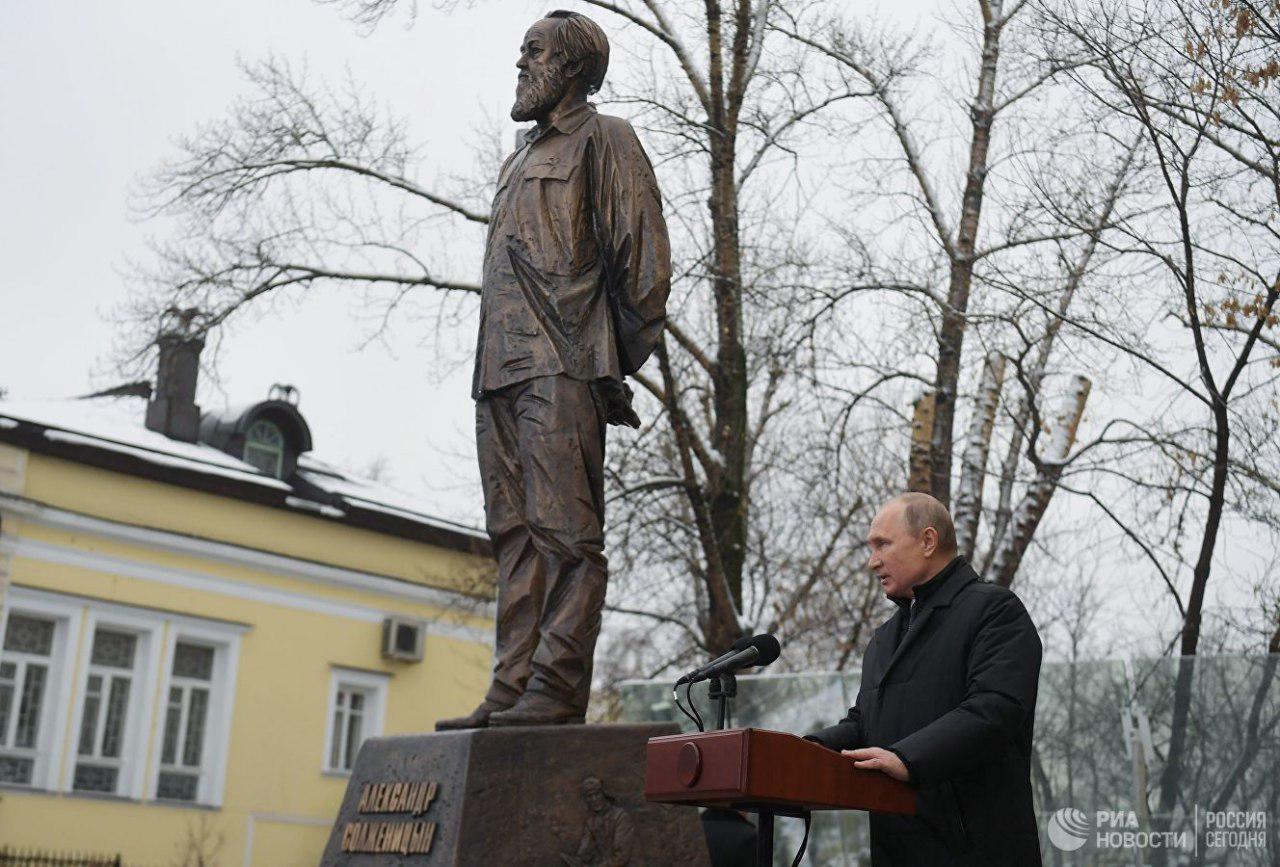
column 723, row 687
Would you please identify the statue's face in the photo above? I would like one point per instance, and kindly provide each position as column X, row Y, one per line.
column 595, row 801
column 542, row 81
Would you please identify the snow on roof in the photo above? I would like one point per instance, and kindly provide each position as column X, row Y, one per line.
column 164, row 460
column 375, row 496
column 116, row 421
column 116, row 424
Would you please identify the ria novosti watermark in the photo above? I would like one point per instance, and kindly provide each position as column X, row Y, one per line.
column 1070, row 829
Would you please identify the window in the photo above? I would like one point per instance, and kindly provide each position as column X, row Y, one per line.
column 186, row 719
column 25, row 669
column 140, row 673
column 104, row 712
column 356, row 705
column 264, row 448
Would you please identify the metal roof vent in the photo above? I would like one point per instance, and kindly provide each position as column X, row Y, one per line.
column 287, row 393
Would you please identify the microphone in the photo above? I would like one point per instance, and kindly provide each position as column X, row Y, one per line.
column 758, row 651
column 741, row 644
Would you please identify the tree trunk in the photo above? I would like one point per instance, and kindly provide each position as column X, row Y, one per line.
column 1026, row 517
column 726, row 488
column 921, row 431
column 973, row 461
column 1171, row 778
column 951, row 334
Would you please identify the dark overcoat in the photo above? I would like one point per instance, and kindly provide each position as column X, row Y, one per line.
column 955, row 699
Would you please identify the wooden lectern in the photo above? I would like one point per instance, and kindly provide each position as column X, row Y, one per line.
column 770, row 773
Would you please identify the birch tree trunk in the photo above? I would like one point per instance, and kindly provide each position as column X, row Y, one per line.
column 1026, row 517
column 973, row 460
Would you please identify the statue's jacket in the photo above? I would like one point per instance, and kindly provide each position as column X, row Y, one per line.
column 577, row 264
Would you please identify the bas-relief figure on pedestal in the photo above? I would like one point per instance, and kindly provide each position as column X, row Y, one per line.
column 608, row 834
column 576, row 276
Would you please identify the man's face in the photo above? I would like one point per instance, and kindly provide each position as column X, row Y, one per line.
column 595, row 801
column 898, row 558
column 542, row 82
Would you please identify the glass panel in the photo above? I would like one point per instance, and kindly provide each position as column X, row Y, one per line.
column 264, row 448
column 8, row 670
column 113, row 649
column 194, row 743
column 177, row 787
column 94, row 778
column 89, row 723
column 117, row 705
column 89, row 719
column 264, row 460
column 6, row 704
column 357, row 702
column 16, row 770
column 172, row 720
column 29, row 710
column 335, row 744
column 353, row 739
column 194, row 661
column 29, row 635
column 264, row 433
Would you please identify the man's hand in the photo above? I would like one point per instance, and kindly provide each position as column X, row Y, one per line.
column 876, row 759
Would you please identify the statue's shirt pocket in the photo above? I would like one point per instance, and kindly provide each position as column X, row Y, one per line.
column 549, row 212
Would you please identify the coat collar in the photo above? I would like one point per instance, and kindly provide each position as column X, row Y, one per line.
column 937, row 592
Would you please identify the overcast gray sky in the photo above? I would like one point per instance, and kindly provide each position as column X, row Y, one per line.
column 91, row 97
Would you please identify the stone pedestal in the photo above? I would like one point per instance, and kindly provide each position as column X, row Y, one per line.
column 556, row 796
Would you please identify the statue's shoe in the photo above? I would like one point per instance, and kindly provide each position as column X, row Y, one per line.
column 536, row 709
column 477, row 719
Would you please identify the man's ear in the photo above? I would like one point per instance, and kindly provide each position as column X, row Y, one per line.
column 929, row 541
column 572, row 69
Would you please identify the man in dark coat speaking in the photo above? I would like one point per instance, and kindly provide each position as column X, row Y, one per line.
column 947, row 700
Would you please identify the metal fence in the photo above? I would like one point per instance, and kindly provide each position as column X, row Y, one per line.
column 1103, row 731
column 35, row 858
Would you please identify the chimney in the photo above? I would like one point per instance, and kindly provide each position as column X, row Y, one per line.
column 172, row 409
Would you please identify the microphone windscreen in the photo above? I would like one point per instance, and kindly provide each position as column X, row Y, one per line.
column 769, row 647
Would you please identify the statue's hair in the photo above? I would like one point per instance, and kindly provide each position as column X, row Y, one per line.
column 920, row 511
column 577, row 37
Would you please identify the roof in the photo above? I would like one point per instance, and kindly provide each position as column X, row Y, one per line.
column 108, row 432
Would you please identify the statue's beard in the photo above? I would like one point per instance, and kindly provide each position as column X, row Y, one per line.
column 538, row 94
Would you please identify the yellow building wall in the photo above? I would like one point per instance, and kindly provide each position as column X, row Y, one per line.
column 277, row 802
column 131, row 500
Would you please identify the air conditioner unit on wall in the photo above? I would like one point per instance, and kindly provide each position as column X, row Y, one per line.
column 402, row 639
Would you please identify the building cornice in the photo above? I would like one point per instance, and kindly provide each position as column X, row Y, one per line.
column 390, row 587
column 133, row 461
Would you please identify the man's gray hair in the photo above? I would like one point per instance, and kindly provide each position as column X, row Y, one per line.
column 920, row 511
column 577, row 37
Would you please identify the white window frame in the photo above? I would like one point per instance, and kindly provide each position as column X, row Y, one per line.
column 146, row 660
column 76, row 619
column 66, row 617
column 225, row 641
column 374, row 686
